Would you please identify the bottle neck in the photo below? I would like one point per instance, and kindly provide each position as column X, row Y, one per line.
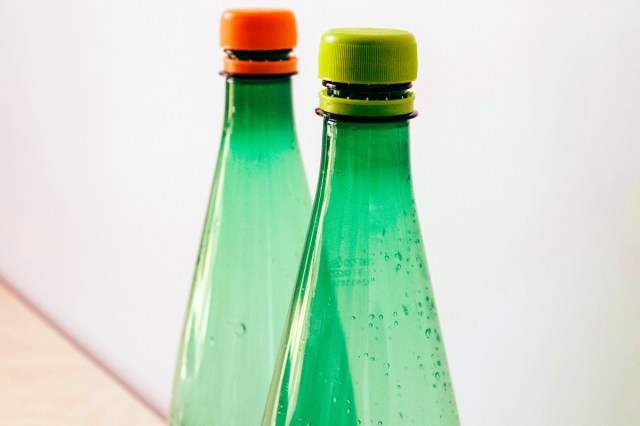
column 258, row 104
column 258, row 63
column 369, row 92
column 258, row 55
column 366, row 102
column 367, row 161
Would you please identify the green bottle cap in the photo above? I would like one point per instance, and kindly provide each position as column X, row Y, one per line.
column 367, row 56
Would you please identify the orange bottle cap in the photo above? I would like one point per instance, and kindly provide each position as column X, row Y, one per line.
column 258, row 29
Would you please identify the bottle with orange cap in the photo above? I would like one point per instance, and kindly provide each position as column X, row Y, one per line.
column 253, row 233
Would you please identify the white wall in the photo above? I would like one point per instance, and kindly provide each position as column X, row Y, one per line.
column 526, row 157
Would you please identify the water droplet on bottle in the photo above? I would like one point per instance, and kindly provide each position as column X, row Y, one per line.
column 353, row 317
column 335, row 399
column 386, row 257
column 370, row 325
column 379, row 422
column 399, row 255
column 348, row 410
column 421, row 366
column 401, row 415
column 405, row 309
column 371, row 316
column 427, row 333
column 395, row 314
column 437, row 376
column 387, row 365
column 380, row 316
column 439, row 363
column 398, row 267
column 395, row 323
column 398, row 386
column 241, row 329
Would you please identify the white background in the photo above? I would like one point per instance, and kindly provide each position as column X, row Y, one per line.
column 526, row 160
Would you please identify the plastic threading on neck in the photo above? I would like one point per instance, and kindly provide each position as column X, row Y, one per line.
column 365, row 107
column 237, row 66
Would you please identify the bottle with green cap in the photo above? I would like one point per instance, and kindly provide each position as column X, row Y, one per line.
column 362, row 342
column 253, row 233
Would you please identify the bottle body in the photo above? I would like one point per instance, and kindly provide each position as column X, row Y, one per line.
column 362, row 342
column 250, row 249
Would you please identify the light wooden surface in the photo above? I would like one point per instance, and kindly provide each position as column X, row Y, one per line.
column 46, row 380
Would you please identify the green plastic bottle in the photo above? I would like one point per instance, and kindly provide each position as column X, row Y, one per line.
column 253, row 234
column 362, row 342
